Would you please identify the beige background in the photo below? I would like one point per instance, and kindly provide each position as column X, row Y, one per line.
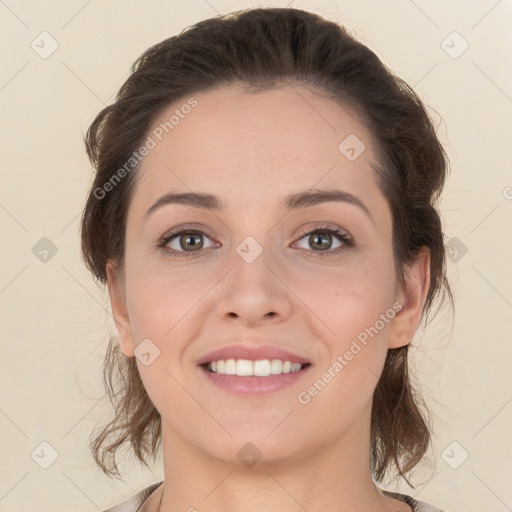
column 55, row 320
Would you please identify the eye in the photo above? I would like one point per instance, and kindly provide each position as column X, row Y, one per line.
column 320, row 238
column 183, row 242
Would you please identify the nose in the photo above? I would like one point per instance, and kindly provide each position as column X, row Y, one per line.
column 255, row 290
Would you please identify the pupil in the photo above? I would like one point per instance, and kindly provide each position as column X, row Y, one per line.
column 189, row 239
column 325, row 245
column 314, row 240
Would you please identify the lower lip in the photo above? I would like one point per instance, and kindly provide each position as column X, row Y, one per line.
column 254, row 386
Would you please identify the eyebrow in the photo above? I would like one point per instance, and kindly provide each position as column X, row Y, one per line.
column 302, row 199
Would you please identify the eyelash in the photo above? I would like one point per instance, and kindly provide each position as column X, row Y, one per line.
column 317, row 228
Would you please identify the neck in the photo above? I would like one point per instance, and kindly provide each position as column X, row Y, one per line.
column 331, row 477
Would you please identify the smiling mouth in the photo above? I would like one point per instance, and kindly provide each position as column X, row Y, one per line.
column 249, row 368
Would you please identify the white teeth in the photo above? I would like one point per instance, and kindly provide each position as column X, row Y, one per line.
column 244, row 367
column 247, row 368
column 276, row 366
column 262, row 368
column 230, row 367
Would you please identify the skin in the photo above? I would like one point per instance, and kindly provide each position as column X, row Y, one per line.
column 252, row 150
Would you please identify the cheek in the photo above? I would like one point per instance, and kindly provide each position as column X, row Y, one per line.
column 158, row 297
column 160, row 305
column 351, row 297
column 357, row 307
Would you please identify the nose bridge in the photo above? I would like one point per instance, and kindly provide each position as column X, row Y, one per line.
column 254, row 239
column 253, row 261
column 253, row 290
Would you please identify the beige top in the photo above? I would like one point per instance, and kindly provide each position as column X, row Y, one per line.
column 134, row 503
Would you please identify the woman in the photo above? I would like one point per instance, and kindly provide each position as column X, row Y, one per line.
column 264, row 215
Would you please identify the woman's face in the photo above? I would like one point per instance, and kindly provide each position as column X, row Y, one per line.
column 258, row 278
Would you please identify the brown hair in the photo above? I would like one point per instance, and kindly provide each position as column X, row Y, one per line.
column 261, row 49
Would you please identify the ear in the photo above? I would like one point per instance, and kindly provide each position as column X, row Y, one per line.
column 417, row 283
column 119, row 310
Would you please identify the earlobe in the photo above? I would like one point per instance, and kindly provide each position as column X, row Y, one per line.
column 119, row 311
column 412, row 299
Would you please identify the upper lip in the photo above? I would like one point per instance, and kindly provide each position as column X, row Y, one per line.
column 252, row 353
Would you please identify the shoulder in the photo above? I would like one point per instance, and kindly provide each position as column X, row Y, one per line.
column 134, row 503
column 416, row 505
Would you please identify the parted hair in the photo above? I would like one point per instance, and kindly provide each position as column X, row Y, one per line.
column 260, row 49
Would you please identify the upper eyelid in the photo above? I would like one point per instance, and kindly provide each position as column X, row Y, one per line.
column 179, row 230
column 326, row 226
column 194, row 227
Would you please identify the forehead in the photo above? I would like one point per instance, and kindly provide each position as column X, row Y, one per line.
column 244, row 146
